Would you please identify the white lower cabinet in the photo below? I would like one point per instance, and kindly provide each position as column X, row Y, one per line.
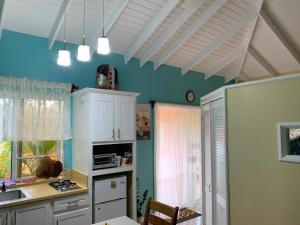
column 76, row 217
column 72, row 210
column 39, row 213
column 5, row 217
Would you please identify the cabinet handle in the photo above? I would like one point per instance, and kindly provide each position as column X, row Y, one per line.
column 113, row 133
column 119, row 133
column 210, row 188
column 5, row 219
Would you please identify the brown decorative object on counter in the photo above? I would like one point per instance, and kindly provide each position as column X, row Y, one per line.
column 48, row 168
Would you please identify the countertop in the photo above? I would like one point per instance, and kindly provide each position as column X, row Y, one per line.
column 43, row 191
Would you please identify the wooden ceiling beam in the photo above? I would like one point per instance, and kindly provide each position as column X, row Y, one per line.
column 244, row 19
column 262, row 61
column 58, row 22
column 225, row 62
column 249, row 38
column 280, row 35
column 3, row 7
column 109, row 23
column 202, row 19
column 191, row 7
column 149, row 29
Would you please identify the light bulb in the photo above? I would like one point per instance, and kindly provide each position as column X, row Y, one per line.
column 64, row 58
column 103, row 46
column 83, row 53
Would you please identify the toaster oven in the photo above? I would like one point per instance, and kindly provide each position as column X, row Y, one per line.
column 102, row 161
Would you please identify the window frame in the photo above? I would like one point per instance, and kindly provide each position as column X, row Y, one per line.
column 16, row 161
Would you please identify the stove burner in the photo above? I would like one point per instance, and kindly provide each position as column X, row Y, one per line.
column 64, row 185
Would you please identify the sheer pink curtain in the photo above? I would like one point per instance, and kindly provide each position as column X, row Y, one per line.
column 177, row 155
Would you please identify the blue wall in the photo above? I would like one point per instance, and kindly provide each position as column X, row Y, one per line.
column 28, row 56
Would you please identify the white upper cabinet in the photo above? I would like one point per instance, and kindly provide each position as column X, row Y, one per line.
column 103, row 117
column 125, row 118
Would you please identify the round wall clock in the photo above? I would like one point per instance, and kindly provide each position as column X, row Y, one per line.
column 190, row 96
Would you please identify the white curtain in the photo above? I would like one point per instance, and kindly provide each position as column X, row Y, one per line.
column 34, row 110
column 177, row 155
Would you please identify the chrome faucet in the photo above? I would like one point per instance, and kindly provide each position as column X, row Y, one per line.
column 3, row 188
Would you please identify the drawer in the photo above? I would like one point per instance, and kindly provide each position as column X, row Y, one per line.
column 109, row 189
column 71, row 203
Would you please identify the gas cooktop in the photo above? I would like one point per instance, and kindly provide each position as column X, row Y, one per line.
column 64, row 185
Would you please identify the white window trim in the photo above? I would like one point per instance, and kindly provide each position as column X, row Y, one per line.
column 282, row 144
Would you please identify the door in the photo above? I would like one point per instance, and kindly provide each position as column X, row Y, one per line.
column 33, row 214
column 219, row 167
column 109, row 210
column 77, row 217
column 103, row 118
column 125, row 118
column 4, row 217
column 215, row 168
column 207, row 165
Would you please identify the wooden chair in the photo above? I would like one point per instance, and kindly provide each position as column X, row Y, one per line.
column 166, row 210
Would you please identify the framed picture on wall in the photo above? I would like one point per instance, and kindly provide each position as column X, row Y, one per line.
column 289, row 141
column 143, row 122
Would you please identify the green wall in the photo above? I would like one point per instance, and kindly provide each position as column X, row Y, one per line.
column 28, row 56
column 263, row 190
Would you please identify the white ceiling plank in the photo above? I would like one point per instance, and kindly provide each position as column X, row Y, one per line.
column 226, row 61
column 249, row 38
column 58, row 22
column 245, row 19
column 3, row 7
column 109, row 23
column 202, row 19
column 262, row 61
column 150, row 28
column 190, row 8
column 233, row 74
column 245, row 76
column 279, row 33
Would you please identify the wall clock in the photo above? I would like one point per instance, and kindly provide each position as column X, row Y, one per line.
column 190, row 96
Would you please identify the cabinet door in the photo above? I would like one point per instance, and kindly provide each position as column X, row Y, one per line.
column 103, row 118
column 125, row 118
column 219, row 167
column 4, row 218
column 207, row 165
column 78, row 217
column 33, row 214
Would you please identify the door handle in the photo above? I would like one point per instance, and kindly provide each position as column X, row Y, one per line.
column 210, row 188
column 113, row 133
column 119, row 133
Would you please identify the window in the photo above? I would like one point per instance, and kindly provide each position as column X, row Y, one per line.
column 21, row 161
column 289, row 141
column 177, row 155
column 34, row 122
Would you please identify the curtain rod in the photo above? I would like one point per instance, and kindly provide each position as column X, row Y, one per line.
column 74, row 88
column 152, row 103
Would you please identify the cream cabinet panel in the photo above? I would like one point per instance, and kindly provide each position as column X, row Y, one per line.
column 125, row 118
column 103, row 118
column 40, row 214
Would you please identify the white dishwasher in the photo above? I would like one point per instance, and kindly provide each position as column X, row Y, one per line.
column 109, row 200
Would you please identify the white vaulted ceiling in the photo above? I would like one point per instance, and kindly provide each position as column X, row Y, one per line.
column 245, row 39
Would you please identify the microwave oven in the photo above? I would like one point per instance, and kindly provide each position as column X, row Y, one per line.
column 102, row 161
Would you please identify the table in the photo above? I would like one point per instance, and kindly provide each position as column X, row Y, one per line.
column 123, row 220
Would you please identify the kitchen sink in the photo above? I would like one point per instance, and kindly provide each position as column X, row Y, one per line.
column 11, row 195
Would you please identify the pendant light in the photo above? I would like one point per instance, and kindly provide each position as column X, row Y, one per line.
column 103, row 42
column 83, row 53
column 64, row 56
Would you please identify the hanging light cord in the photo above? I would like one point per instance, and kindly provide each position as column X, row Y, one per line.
column 83, row 23
column 65, row 22
column 103, row 18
